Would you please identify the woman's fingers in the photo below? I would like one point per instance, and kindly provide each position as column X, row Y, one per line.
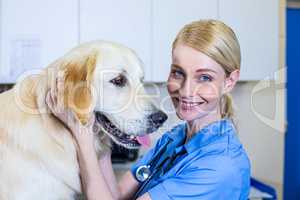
column 53, row 106
column 60, row 87
column 91, row 120
column 49, row 101
column 53, row 92
column 67, row 116
column 57, row 91
column 93, row 124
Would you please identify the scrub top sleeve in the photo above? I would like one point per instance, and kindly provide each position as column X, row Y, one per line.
column 202, row 184
column 148, row 156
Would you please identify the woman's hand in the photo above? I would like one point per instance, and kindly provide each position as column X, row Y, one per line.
column 83, row 134
column 97, row 176
column 91, row 175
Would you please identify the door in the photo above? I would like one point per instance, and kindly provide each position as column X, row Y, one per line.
column 292, row 140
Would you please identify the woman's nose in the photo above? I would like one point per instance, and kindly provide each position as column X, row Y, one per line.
column 187, row 89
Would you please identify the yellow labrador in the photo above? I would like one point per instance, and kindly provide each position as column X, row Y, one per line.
column 37, row 152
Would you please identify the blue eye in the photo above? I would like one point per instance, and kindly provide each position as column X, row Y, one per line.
column 205, row 78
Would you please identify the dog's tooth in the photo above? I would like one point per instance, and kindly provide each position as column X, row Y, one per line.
column 132, row 137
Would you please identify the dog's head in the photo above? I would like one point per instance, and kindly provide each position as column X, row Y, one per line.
column 106, row 78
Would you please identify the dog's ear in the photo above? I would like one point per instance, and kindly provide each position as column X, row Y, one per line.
column 77, row 89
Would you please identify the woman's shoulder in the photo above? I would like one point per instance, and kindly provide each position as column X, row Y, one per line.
column 222, row 168
column 222, row 158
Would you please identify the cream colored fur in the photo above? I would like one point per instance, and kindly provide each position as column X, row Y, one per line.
column 37, row 153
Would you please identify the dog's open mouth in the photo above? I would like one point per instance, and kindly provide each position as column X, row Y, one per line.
column 121, row 138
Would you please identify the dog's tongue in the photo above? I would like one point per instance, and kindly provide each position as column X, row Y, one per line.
column 144, row 140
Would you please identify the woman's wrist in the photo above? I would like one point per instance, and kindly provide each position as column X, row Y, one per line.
column 92, row 177
column 105, row 160
column 84, row 137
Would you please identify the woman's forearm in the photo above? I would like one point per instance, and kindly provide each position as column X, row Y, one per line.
column 97, row 184
column 109, row 175
column 92, row 177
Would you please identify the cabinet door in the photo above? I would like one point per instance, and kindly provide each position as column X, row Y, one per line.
column 126, row 22
column 169, row 16
column 34, row 33
column 256, row 24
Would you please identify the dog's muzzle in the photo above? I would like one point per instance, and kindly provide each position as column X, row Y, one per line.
column 155, row 120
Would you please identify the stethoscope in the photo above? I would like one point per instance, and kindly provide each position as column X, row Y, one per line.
column 144, row 173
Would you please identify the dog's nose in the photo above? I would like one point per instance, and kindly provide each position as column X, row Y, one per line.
column 158, row 118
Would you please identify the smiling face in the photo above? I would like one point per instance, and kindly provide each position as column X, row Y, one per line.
column 196, row 84
column 206, row 60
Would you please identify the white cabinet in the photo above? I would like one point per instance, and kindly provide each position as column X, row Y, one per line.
column 256, row 24
column 35, row 33
column 126, row 22
column 169, row 16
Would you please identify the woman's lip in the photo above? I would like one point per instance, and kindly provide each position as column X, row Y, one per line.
column 189, row 102
column 188, row 107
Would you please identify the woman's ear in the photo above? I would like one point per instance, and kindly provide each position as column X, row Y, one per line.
column 231, row 80
column 77, row 89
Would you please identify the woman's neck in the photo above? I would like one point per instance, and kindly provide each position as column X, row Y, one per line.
column 195, row 125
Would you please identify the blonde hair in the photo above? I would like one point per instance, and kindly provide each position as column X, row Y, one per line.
column 218, row 41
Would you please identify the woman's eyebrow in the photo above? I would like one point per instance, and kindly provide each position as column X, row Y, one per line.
column 198, row 70
column 177, row 66
column 206, row 70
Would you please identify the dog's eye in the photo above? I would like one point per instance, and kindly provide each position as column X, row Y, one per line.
column 119, row 81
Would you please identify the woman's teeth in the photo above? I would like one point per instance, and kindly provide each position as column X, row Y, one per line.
column 189, row 105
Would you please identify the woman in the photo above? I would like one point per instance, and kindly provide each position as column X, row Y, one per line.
column 198, row 159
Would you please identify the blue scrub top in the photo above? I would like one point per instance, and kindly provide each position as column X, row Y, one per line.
column 212, row 165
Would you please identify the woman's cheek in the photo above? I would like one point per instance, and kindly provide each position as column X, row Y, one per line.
column 208, row 92
column 173, row 85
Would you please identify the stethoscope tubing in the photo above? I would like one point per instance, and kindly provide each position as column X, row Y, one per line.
column 149, row 166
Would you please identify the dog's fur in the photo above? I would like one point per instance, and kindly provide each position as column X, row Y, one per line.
column 37, row 152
